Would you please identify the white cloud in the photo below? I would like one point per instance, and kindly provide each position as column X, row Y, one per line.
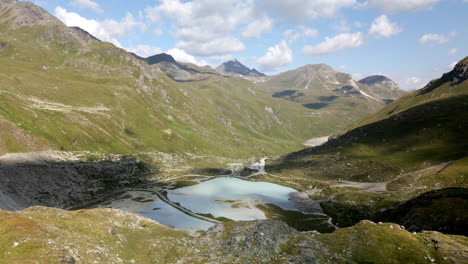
column 454, row 50
column 256, row 28
column 222, row 58
column 276, row 57
column 203, row 27
column 381, row 26
column 107, row 30
column 303, row 10
column 357, row 76
column 157, row 32
column 412, row 83
column 178, row 54
column 335, row 44
column 414, row 80
column 452, row 65
column 182, row 56
column 393, row 6
column 145, row 50
column 215, row 47
column 343, row 26
column 309, row 32
column 87, row 4
column 436, row 38
column 292, row 35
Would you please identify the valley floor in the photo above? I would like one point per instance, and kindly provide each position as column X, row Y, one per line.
column 113, row 236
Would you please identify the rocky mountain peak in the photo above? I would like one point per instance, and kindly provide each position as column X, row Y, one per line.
column 456, row 76
column 459, row 72
column 236, row 67
column 18, row 13
column 84, row 33
column 318, row 68
column 374, row 79
column 380, row 87
column 163, row 57
column 379, row 81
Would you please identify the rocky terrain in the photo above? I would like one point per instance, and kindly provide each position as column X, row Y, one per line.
column 177, row 71
column 114, row 236
column 393, row 181
column 63, row 180
column 64, row 90
column 398, row 164
column 381, row 87
column 234, row 67
column 332, row 94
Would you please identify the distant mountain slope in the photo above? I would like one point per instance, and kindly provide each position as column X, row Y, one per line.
column 235, row 67
column 427, row 125
column 163, row 57
column 20, row 13
column 84, row 32
column 381, row 87
column 177, row 71
column 331, row 93
column 414, row 145
column 446, row 86
column 65, row 90
column 312, row 81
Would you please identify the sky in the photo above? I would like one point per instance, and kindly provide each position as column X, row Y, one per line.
column 409, row 41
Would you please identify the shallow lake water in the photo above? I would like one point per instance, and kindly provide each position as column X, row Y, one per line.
column 232, row 198
column 221, row 198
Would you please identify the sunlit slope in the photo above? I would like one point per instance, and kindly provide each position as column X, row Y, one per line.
column 423, row 129
column 69, row 91
column 330, row 94
column 437, row 89
column 114, row 236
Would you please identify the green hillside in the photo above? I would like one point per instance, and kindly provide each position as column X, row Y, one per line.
column 416, row 144
column 114, row 236
column 68, row 91
column 331, row 94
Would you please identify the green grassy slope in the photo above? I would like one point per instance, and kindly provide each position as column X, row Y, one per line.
column 320, row 88
column 71, row 92
column 437, row 89
column 415, row 145
column 46, row 235
column 422, row 129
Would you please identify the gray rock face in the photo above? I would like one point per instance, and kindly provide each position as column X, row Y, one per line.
column 17, row 14
column 262, row 240
column 380, row 87
column 64, row 184
column 234, row 66
column 163, row 57
column 459, row 73
column 84, row 33
column 456, row 76
column 175, row 70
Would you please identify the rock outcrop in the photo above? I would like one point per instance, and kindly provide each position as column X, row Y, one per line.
column 64, row 184
column 235, row 67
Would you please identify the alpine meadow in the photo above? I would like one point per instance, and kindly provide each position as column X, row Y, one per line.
column 139, row 132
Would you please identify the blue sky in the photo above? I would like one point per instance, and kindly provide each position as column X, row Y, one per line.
column 410, row 41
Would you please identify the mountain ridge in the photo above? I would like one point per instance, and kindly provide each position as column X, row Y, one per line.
column 103, row 99
column 414, row 145
column 236, row 67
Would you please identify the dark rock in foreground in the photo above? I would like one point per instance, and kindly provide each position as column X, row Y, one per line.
column 64, row 184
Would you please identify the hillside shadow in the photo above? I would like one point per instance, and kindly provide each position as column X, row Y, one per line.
column 67, row 184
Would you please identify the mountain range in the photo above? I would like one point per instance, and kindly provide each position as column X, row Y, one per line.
column 235, row 67
column 82, row 120
column 105, row 99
